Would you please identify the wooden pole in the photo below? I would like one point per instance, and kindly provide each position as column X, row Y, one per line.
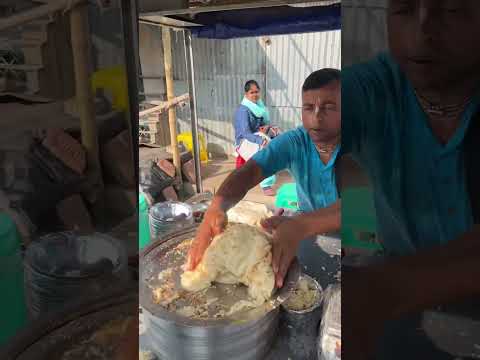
column 81, row 61
column 172, row 121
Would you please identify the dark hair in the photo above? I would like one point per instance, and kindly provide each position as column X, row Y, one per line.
column 320, row 78
column 249, row 84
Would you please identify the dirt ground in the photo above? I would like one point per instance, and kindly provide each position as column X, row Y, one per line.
column 216, row 171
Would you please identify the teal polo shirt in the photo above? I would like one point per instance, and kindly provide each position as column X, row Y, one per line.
column 294, row 151
column 419, row 184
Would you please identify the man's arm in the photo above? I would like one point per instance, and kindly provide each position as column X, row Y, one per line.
column 275, row 157
column 446, row 274
column 236, row 186
column 406, row 285
column 321, row 221
column 232, row 190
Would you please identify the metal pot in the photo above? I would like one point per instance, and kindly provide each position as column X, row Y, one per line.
column 301, row 326
column 173, row 337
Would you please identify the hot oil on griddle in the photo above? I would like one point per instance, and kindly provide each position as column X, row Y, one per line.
column 209, row 304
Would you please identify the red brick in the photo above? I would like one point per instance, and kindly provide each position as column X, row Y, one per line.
column 188, row 171
column 67, row 149
column 169, row 193
column 117, row 160
column 74, row 215
column 167, row 167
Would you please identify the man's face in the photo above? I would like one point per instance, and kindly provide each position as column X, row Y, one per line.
column 435, row 41
column 253, row 94
column 321, row 114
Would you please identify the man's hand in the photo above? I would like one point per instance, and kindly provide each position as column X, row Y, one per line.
column 213, row 224
column 287, row 234
column 232, row 190
column 368, row 302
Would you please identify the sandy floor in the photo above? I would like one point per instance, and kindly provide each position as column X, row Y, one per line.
column 216, row 172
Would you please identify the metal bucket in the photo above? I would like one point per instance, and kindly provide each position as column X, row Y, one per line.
column 300, row 327
column 169, row 216
column 174, row 337
column 63, row 267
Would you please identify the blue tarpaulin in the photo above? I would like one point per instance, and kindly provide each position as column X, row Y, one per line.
column 268, row 21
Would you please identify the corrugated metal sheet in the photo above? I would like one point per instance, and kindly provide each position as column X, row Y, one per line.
column 223, row 66
column 152, row 61
column 364, row 31
column 290, row 59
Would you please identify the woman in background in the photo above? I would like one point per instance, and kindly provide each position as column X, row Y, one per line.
column 253, row 130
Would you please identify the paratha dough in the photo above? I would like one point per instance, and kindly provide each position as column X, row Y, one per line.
column 241, row 254
column 304, row 296
column 248, row 212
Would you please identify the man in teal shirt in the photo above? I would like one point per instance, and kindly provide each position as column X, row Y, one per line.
column 309, row 153
column 406, row 117
column 419, row 179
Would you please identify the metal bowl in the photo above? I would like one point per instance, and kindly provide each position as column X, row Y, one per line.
column 63, row 267
column 315, row 305
column 245, row 336
column 169, row 216
column 300, row 327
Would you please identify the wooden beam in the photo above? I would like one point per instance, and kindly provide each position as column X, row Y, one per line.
column 232, row 5
column 79, row 32
column 21, row 67
column 165, row 105
column 37, row 12
column 172, row 121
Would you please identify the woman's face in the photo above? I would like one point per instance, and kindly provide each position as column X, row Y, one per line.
column 253, row 94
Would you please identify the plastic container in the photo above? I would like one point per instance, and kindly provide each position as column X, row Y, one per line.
column 143, row 222
column 330, row 338
column 287, row 197
column 113, row 79
column 169, row 216
column 359, row 226
column 187, row 140
column 12, row 302
column 65, row 267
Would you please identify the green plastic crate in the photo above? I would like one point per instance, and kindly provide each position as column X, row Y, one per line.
column 359, row 225
column 287, row 197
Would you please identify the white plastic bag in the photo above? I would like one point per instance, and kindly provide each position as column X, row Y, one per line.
column 330, row 338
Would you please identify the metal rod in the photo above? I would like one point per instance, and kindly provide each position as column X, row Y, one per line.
column 187, row 35
column 172, row 117
column 130, row 26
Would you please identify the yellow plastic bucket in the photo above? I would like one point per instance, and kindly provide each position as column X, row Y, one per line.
column 113, row 79
column 187, row 140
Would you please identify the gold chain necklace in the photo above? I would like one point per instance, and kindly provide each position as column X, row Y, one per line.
column 326, row 149
column 432, row 109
